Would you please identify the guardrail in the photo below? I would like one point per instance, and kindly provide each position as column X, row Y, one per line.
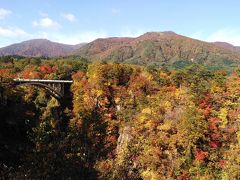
column 42, row 80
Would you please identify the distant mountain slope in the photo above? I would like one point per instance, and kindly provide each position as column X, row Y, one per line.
column 39, row 47
column 228, row 46
column 157, row 47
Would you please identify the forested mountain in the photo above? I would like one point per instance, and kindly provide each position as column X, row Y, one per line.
column 158, row 48
column 39, row 48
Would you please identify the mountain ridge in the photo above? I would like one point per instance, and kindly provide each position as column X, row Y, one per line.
column 227, row 46
column 157, row 47
column 149, row 48
column 38, row 48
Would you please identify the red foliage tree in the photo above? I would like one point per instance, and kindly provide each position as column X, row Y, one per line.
column 46, row 69
column 200, row 155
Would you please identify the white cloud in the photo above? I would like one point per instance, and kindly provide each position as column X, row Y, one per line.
column 131, row 33
column 75, row 38
column 87, row 36
column 12, row 32
column 4, row 13
column 229, row 35
column 43, row 14
column 70, row 17
column 46, row 23
column 226, row 35
column 13, row 35
column 115, row 11
column 197, row 35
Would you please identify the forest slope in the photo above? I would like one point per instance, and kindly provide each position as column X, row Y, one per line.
column 38, row 48
column 158, row 48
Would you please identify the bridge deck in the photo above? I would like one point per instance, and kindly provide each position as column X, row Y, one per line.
column 43, row 80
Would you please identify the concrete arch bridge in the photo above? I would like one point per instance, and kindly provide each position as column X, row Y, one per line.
column 56, row 88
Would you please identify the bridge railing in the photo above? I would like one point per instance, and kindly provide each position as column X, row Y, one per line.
column 42, row 80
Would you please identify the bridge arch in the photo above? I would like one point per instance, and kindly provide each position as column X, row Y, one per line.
column 50, row 90
column 54, row 87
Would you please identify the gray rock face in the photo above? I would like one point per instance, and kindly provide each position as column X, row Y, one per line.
column 124, row 139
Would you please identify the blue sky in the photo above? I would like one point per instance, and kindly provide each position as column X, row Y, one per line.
column 76, row 21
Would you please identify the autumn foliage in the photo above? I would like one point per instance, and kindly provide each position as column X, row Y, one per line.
column 126, row 122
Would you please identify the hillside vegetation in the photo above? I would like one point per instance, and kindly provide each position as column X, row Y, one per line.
column 39, row 48
column 163, row 48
